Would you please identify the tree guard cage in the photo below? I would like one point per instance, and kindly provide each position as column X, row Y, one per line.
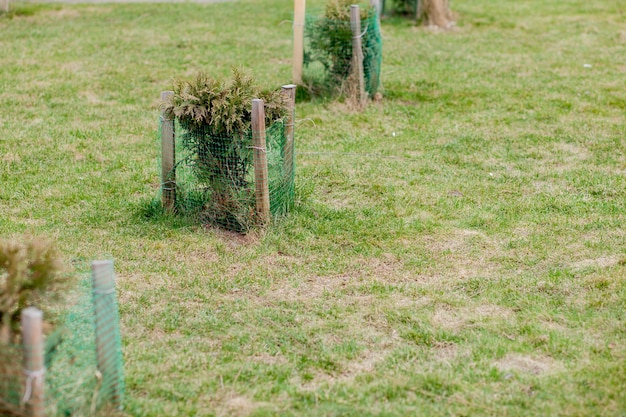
column 234, row 181
column 329, row 58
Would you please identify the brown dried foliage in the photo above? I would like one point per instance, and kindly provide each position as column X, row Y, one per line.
column 27, row 271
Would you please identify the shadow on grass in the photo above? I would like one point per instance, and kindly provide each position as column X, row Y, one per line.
column 150, row 210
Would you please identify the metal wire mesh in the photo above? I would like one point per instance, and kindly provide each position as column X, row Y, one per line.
column 215, row 176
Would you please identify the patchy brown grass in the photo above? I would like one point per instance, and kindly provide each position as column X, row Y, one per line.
column 529, row 365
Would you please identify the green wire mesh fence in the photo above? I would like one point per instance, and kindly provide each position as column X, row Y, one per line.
column 77, row 370
column 234, row 181
column 329, row 66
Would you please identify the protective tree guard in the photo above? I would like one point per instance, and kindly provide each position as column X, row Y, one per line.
column 331, row 51
column 234, row 159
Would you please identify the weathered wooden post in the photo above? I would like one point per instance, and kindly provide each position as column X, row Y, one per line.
column 357, row 54
column 4, row 6
column 260, row 161
column 32, row 338
column 108, row 348
column 168, row 157
column 289, row 91
column 298, row 40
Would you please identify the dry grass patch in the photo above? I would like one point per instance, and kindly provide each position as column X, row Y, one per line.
column 311, row 288
column 11, row 158
column 94, row 99
column 203, row 257
column 446, row 352
column 460, row 241
column 234, row 240
column 458, row 319
column 239, row 406
column 601, row 262
column 529, row 364
column 384, row 270
column 350, row 370
column 267, row 359
column 463, row 254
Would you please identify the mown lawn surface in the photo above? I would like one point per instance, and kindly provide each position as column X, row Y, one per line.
column 457, row 249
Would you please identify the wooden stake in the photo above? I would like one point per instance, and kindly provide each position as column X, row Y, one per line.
column 289, row 155
column 4, row 6
column 357, row 53
column 107, row 329
column 260, row 161
column 298, row 40
column 32, row 337
column 168, row 158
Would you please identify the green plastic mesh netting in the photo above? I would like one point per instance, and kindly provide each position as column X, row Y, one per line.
column 215, row 177
column 74, row 384
column 328, row 51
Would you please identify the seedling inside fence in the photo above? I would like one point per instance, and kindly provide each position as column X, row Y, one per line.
column 216, row 166
column 343, row 51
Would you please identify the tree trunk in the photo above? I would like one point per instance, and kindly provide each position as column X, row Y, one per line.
column 435, row 13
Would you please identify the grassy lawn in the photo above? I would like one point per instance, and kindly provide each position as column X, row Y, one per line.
column 458, row 249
